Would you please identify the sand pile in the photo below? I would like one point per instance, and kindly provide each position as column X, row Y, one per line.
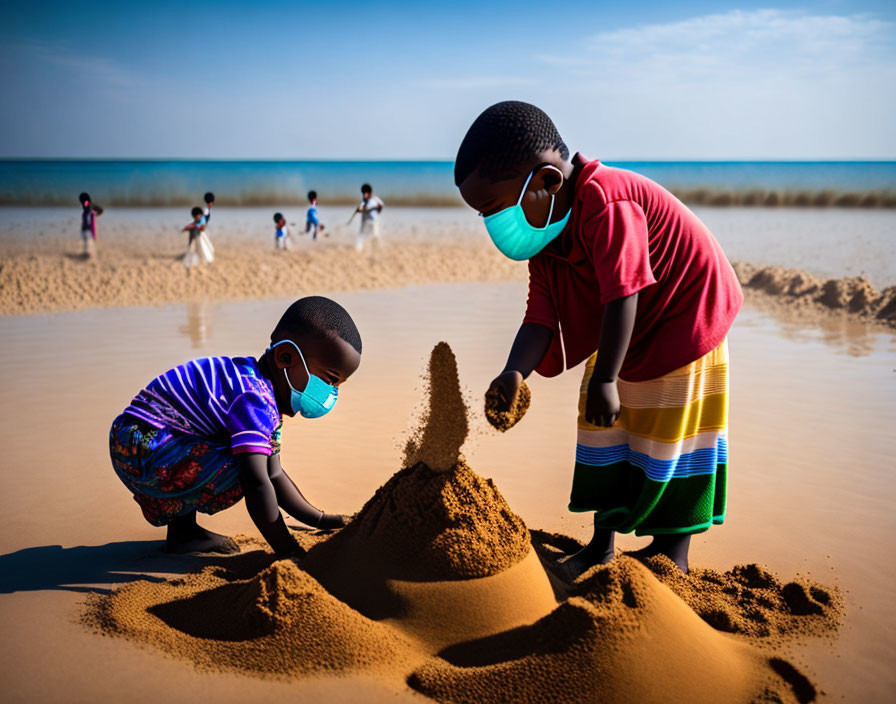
column 436, row 519
column 505, row 420
column 746, row 600
column 435, row 585
column 852, row 295
column 750, row 600
column 436, row 522
column 278, row 623
column 626, row 639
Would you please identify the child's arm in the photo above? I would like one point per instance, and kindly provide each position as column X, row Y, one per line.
column 529, row 348
column 261, row 500
column 602, row 405
column 294, row 503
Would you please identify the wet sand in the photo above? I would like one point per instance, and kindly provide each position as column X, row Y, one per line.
column 811, row 405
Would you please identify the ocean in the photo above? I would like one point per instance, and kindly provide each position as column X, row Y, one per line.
column 855, row 184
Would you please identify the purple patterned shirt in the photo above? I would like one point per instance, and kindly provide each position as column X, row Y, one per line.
column 226, row 400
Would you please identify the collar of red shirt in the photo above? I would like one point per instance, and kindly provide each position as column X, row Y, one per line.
column 563, row 246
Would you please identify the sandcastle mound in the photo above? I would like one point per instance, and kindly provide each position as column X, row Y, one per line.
column 427, row 525
column 746, row 600
column 436, row 519
column 279, row 623
column 632, row 641
column 435, row 585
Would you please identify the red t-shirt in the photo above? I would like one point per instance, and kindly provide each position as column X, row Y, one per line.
column 629, row 235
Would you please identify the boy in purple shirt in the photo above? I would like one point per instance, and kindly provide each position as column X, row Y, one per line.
column 205, row 434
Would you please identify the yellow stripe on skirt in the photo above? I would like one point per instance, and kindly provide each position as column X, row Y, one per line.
column 663, row 467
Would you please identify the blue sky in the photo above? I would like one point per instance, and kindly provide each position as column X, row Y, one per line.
column 332, row 80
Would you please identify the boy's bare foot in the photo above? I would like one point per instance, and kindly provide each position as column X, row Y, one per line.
column 675, row 547
column 186, row 536
column 580, row 562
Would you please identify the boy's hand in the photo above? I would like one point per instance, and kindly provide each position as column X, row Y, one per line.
column 602, row 404
column 507, row 386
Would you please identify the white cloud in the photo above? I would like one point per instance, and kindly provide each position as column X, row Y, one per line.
column 736, row 43
column 98, row 71
column 739, row 84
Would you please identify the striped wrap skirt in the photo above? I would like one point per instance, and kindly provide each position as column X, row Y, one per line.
column 663, row 467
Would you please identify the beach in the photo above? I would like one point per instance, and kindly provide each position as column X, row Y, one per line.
column 816, row 262
column 798, row 431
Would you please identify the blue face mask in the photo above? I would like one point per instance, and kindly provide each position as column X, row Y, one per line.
column 515, row 237
column 317, row 399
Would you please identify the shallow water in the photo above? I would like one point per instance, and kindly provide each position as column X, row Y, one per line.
column 813, row 410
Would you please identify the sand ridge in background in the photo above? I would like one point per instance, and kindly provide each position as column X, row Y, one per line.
column 391, row 596
column 793, row 288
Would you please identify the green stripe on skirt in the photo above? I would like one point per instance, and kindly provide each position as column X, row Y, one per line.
column 626, row 500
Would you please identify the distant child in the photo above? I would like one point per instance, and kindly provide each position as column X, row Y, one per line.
column 209, row 199
column 88, row 225
column 281, row 233
column 312, row 221
column 193, row 257
column 621, row 274
column 205, row 434
column 370, row 208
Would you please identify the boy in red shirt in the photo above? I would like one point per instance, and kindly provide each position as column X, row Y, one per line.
column 623, row 275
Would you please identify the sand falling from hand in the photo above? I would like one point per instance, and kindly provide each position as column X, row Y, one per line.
column 435, row 586
column 504, row 419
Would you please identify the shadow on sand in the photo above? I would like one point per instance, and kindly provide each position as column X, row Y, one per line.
column 100, row 568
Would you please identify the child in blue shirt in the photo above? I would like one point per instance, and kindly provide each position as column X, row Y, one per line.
column 312, row 221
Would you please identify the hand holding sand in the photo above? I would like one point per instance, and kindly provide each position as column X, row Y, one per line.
column 507, row 400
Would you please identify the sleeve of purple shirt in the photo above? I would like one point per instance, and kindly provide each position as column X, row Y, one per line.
column 251, row 421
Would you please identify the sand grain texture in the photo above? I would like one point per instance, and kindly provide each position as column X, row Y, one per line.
column 505, row 420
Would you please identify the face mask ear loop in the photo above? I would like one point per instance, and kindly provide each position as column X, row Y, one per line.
column 525, row 185
column 302, row 357
column 550, row 212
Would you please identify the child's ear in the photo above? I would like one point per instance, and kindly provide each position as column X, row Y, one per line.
column 551, row 178
column 282, row 357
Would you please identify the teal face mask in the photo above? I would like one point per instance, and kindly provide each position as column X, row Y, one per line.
column 317, row 399
column 514, row 236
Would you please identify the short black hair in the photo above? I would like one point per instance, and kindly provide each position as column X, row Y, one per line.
column 196, row 211
column 318, row 315
column 278, row 217
column 209, row 197
column 503, row 138
column 312, row 195
column 84, row 198
column 366, row 188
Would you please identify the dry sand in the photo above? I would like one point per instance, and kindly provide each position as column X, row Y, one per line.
column 435, row 581
column 140, row 268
